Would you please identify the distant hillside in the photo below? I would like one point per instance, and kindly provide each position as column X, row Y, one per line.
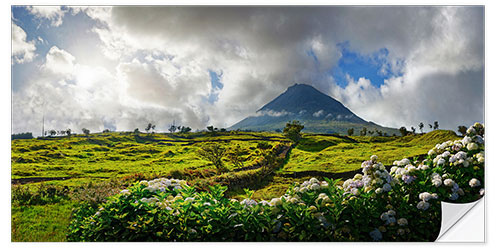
column 318, row 112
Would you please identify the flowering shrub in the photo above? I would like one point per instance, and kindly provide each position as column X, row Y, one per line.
column 402, row 204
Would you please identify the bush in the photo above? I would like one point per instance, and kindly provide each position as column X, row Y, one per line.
column 292, row 131
column 43, row 194
column 400, row 205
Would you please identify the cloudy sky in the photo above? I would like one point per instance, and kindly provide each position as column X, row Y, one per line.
column 122, row 67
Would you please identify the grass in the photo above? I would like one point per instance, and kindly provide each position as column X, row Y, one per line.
column 111, row 158
column 340, row 154
column 41, row 223
column 115, row 155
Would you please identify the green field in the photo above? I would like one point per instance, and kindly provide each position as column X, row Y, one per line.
column 99, row 165
column 340, row 154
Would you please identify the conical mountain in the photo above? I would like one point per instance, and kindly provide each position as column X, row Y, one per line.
column 318, row 112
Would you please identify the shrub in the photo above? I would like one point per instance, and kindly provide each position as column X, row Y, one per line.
column 400, row 205
column 213, row 152
column 292, row 131
column 24, row 195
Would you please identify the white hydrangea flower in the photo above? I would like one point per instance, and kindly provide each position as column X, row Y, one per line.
column 474, row 183
column 315, row 186
column 402, row 222
column 425, row 196
column 472, row 146
column 471, row 130
column 275, row 201
column 449, row 182
column 374, row 158
column 125, row 192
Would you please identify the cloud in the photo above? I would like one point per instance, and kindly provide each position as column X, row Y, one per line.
column 273, row 113
column 161, row 58
column 23, row 51
column 318, row 113
column 59, row 62
column 54, row 14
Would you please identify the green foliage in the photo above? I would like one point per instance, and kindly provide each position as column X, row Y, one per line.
column 236, row 155
column 403, row 131
column 462, row 129
column 40, row 195
column 86, row 131
column 292, row 131
column 27, row 135
column 350, row 131
column 214, row 152
column 403, row 205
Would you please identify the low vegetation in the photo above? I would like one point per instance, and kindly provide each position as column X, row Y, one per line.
column 86, row 171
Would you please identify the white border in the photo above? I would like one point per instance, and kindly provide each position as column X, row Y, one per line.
column 492, row 14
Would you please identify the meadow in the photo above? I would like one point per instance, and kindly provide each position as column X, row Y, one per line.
column 53, row 176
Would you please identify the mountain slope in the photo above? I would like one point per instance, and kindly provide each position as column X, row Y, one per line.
column 318, row 112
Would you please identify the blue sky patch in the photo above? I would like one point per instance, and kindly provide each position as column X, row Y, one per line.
column 216, row 85
column 374, row 67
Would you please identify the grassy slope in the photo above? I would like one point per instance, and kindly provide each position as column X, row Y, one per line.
column 333, row 154
column 114, row 155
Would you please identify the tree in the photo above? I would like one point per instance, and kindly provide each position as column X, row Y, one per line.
column 403, row 131
column 236, row 156
column 421, row 127
column 153, row 127
column 172, row 128
column 185, row 129
column 350, row 131
column 213, row 152
column 210, row 129
column 68, row 132
column 292, row 131
column 413, row 130
column 430, row 126
column 223, row 130
column 370, row 132
column 362, row 132
column 148, row 127
column 436, row 125
column 379, row 132
column 86, row 131
column 52, row 132
column 136, row 131
column 462, row 130
column 106, row 131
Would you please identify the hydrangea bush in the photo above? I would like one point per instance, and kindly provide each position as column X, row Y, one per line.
column 398, row 203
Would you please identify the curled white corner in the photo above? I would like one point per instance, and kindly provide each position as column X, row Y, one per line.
column 462, row 222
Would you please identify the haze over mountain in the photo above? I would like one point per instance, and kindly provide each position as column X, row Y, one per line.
column 318, row 112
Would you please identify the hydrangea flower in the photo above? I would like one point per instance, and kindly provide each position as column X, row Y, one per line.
column 402, row 222
column 376, row 235
column 474, row 183
column 422, row 205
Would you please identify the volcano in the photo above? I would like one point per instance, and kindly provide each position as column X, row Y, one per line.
column 318, row 112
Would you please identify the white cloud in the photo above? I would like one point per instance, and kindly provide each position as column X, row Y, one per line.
column 272, row 113
column 23, row 51
column 162, row 62
column 54, row 14
column 59, row 61
column 318, row 113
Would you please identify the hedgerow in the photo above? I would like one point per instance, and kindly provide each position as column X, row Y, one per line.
column 401, row 203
